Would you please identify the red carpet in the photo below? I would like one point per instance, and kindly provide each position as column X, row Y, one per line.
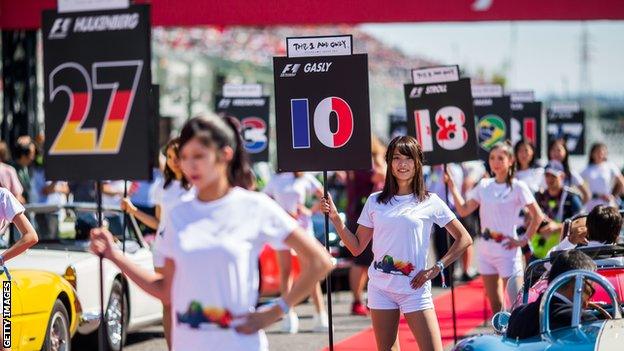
column 468, row 308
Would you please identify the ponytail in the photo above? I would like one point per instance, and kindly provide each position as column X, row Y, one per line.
column 239, row 171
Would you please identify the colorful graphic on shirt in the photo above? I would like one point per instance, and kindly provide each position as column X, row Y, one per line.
column 196, row 315
column 490, row 130
column 391, row 266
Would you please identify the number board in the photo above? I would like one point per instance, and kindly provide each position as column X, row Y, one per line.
column 568, row 125
column 322, row 113
column 493, row 117
column 440, row 115
column 526, row 123
column 97, row 79
column 253, row 114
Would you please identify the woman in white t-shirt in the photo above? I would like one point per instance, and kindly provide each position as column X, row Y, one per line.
column 526, row 168
column 558, row 151
column 601, row 177
column 499, row 199
column 12, row 211
column 399, row 219
column 168, row 194
column 212, row 244
column 290, row 190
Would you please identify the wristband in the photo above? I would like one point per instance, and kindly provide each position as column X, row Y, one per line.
column 282, row 305
column 440, row 266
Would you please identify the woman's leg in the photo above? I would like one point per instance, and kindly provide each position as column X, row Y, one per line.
column 166, row 319
column 317, row 298
column 284, row 260
column 494, row 291
column 386, row 327
column 424, row 326
column 512, row 287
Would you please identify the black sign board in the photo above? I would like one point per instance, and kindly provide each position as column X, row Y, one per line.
column 322, row 113
column 526, row 123
column 97, row 79
column 493, row 118
column 253, row 114
column 440, row 116
column 568, row 125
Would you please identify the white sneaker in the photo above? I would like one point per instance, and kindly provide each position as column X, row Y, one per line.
column 290, row 323
column 320, row 322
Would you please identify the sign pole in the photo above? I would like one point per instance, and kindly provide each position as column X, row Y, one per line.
column 450, row 268
column 328, row 279
column 123, row 250
column 101, row 335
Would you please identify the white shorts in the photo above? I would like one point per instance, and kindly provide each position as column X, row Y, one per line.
column 493, row 258
column 384, row 300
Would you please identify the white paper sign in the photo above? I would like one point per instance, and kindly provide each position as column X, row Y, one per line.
column 91, row 5
column 242, row 90
column 520, row 96
column 487, row 90
column 435, row 74
column 320, row 46
column 563, row 107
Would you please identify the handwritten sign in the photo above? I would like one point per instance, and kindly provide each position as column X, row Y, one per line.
column 242, row 90
column 319, row 46
column 520, row 96
column 435, row 75
column 486, row 90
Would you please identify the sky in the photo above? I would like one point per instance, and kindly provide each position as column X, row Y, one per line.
column 540, row 56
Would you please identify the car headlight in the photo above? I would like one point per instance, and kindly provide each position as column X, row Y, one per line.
column 70, row 276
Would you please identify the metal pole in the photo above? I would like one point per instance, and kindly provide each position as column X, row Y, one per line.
column 328, row 279
column 101, row 335
column 123, row 250
column 451, row 267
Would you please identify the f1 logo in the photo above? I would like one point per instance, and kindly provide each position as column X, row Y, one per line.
column 224, row 103
column 60, row 28
column 290, row 70
column 416, row 92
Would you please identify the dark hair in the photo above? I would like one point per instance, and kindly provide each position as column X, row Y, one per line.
column 218, row 132
column 524, row 142
column 604, row 224
column 169, row 174
column 408, row 146
column 594, row 147
column 505, row 146
column 570, row 260
column 564, row 162
column 22, row 149
column 5, row 153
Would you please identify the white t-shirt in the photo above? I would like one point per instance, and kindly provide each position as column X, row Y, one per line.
column 532, row 177
column 600, row 179
column 401, row 233
column 216, row 246
column 290, row 192
column 167, row 199
column 500, row 204
column 9, row 208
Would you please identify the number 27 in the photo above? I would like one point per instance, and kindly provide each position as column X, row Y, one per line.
column 73, row 137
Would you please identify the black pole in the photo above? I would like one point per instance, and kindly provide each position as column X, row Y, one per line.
column 451, row 267
column 101, row 335
column 328, row 279
column 123, row 250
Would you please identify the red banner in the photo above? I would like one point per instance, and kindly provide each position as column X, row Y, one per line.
column 15, row 14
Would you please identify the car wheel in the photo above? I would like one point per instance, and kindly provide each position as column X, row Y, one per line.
column 115, row 334
column 57, row 336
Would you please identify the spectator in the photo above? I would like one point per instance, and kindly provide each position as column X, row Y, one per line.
column 557, row 202
column 24, row 156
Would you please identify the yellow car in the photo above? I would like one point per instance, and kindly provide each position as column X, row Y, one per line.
column 44, row 310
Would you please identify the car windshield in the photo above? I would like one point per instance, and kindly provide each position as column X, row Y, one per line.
column 67, row 225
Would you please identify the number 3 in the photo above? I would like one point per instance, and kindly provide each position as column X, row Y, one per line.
column 73, row 137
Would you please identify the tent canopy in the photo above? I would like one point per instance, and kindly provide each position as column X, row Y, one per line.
column 26, row 14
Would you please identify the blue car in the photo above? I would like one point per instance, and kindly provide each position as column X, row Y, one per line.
column 606, row 334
